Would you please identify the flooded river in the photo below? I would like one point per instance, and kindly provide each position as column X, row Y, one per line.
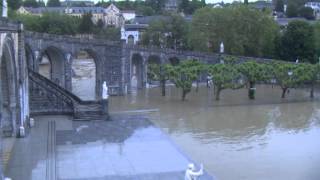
column 236, row 138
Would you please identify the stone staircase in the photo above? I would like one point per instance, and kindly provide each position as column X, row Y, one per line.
column 48, row 98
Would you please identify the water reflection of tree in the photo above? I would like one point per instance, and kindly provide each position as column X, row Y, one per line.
column 241, row 122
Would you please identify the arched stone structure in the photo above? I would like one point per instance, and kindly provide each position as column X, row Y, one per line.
column 98, row 71
column 58, row 67
column 113, row 59
column 107, row 57
column 137, row 71
column 8, row 84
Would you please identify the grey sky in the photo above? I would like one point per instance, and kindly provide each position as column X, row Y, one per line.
column 208, row 1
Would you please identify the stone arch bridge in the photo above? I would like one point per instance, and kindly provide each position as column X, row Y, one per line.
column 23, row 91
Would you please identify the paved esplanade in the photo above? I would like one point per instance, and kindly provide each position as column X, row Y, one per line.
column 128, row 147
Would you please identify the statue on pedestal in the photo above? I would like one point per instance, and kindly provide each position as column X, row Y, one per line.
column 105, row 93
column 4, row 8
column 191, row 174
column 221, row 48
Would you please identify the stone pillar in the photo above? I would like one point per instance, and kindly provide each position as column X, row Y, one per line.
column 125, row 69
column 105, row 108
column 145, row 72
column 37, row 59
column 68, row 71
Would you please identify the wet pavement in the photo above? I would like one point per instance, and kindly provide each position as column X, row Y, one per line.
column 237, row 138
column 128, row 147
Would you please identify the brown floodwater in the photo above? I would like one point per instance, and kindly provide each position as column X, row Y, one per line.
column 237, row 138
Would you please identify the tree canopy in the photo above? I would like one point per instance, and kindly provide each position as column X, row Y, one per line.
column 298, row 42
column 53, row 3
column 243, row 30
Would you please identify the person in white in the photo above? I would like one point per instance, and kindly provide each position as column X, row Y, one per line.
column 191, row 173
column 105, row 93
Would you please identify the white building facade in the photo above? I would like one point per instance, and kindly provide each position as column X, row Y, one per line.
column 316, row 8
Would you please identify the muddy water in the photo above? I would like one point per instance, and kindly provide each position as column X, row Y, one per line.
column 236, row 138
column 84, row 78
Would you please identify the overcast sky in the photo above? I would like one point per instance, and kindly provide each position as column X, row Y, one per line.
column 208, row 1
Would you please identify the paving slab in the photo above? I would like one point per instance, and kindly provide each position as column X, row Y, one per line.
column 127, row 147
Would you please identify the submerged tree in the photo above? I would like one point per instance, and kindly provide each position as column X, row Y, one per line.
column 159, row 72
column 225, row 76
column 184, row 74
column 253, row 72
column 290, row 75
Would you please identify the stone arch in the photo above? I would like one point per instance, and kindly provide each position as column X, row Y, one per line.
column 97, row 68
column 57, row 62
column 131, row 40
column 151, row 61
column 31, row 64
column 9, row 91
column 137, row 71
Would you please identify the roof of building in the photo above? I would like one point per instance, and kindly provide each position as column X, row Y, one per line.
column 75, row 10
column 133, row 27
column 147, row 19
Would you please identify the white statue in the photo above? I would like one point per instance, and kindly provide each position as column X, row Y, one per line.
column 134, row 70
column 191, row 174
column 105, row 93
column 4, row 8
column 221, row 48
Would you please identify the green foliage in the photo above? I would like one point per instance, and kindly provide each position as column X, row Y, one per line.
column 224, row 77
column 298, row 41
column 53, row 3
column 317, row 39
column 14, row 4
column 110, row 33
column 145, row 11
column 306, row 12
column 31, row 3
column 184, row 74
column 292, row 9
column 156, row 5
column 244, row 31
column 279, row 6
column 86, row 24
column 253, row 71
column 293, row 75
column 51, row 23
column 169, row 32
column 189, row 7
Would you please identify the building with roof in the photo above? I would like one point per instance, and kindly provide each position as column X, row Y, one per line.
column 316, row 8
column 132, row 33
column 111, row 16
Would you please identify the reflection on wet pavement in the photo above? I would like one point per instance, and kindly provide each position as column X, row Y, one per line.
column 128, row 147
column 268, row 138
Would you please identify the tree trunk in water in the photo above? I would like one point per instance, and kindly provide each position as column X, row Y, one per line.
column 184, row 93
column 218, row 93
column 251, row 91
column 284, row 90
column 197, row 88
column 312, row 91
column 163, row 87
